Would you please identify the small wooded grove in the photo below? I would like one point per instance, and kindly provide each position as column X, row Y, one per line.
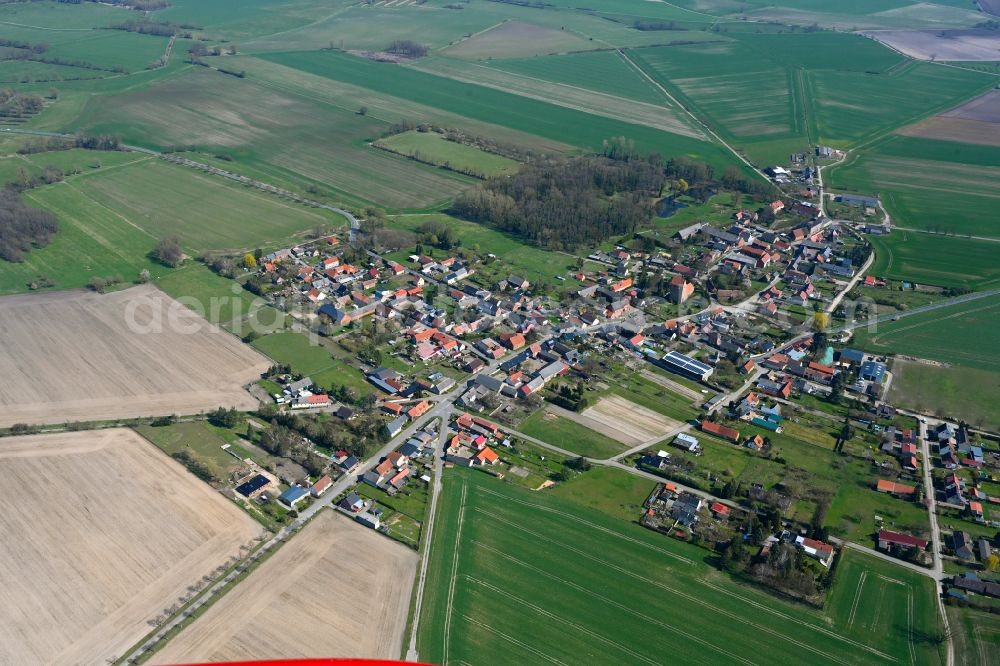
column 22, row 227
column 564, row 203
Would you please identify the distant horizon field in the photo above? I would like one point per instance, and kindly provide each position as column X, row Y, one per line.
column 562, row 124
column 627, row 593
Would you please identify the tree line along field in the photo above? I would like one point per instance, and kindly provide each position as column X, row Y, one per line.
column 928, row 184
column 531, row 577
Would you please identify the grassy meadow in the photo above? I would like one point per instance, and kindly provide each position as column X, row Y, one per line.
column 434, row 148
column 948, row 391
column 623, row 593
column 569, row 435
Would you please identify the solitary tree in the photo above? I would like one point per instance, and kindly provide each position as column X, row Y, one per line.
column 168, row 252
column 249, row 260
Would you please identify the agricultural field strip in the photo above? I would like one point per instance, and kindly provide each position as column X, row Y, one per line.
column 663, row 117
column 620, row 606
column 936, row 321
column 692, row 598
column 552, row 616
column 450, row 607
column 759, row 606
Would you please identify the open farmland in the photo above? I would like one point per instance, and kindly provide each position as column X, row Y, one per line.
column 282, row 137
column 477, row 102
column 75, row 34
column 131, row 353
column 107, row 533
column 976, row 122
column 206, row 212
column 626, row 421
column 842, row 89
column 626, row 594
column 926, row 184
column 976, row 634
column 661, row 114
column 337, row 590
column 962, row 334
column 513, row 39
column 965, row 45
column 944, row 390
column 948, row 261
column 434, row 148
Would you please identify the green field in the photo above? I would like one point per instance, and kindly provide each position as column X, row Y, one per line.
column 963, row 334
column 434, row 148
column 531, row 262
column 89, row 243
column 560, row 124
column 570, row 435
column 616, row 593
column 205, row 212
column 73, row 33
column 773, row 94
column 295, row 350
column 939, row 186
column 86, row 161
column 599, row 71
column 200, row 439
column 220, row 300
column 967, row 393
column 976, row 634
column 281, row 137
column 936, row 259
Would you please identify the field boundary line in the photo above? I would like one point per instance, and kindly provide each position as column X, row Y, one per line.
column 557, row 618
column 712, row 133
column 581, row 521
column 878, row 608
column 857, row 598
column 580, row 588
column 111, row 210
column 790, row 618
column 508, row 637
column 449, row 607
column 685, row 595
column 909, row 625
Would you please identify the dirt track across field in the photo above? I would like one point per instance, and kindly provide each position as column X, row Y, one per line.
column 78, row 356
column 106, row 533
column 337, row 589
column 625, row 421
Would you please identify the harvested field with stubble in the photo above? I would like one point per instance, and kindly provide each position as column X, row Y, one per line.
column 77, row 356
column 626, row 421
column 336, row 590
column 107, row 533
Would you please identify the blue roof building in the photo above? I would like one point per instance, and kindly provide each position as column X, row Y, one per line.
column 872, row 371
column 293, row 495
